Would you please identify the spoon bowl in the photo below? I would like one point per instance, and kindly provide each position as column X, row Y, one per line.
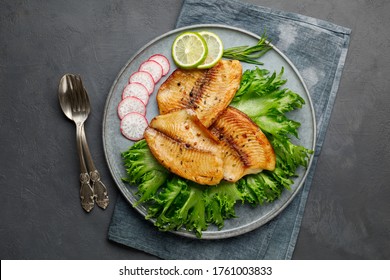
column 64, row 90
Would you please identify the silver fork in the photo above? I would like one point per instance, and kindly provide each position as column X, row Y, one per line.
column 99, row 189
column 79, row 114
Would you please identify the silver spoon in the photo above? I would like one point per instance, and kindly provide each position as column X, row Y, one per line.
column 75, row 105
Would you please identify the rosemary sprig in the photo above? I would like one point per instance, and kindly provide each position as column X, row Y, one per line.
column 249, row 54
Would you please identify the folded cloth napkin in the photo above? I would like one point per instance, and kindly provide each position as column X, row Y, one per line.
column 318, row 49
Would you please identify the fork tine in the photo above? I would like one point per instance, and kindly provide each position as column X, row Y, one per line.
column 84, row 96
column 77, row 93
column 71, row 94
column 80, row 93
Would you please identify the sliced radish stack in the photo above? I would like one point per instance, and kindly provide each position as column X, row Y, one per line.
column 135, row 96
column 137, row 90
column 153, row 68
column 129, row 105
column 133, row 126
column 143, row 78
column 163, row 61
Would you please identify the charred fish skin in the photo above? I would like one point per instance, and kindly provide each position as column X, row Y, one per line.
column 245, row 141
column 233, row 168
column 201, row 166
column 175, row 92
column 216, row 90
column 184, row 126
column 207, row 92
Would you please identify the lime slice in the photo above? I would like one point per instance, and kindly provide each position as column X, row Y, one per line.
column 189, row 50
column 215, row 49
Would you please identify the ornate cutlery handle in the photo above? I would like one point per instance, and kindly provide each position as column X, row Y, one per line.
column 100, row 190
column 98, row 187
column 86, row 191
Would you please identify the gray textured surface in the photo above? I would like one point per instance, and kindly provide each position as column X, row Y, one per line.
column 347, row 210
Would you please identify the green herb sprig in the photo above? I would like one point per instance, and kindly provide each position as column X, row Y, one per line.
column 249, row 54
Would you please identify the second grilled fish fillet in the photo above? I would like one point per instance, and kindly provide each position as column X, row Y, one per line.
column 247, row 150
column 184, row 126
column 208, row 92
column 201, row 166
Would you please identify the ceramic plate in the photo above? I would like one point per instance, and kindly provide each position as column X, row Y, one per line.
column 248, row 218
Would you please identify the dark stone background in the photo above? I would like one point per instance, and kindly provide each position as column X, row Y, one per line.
column 347, row 213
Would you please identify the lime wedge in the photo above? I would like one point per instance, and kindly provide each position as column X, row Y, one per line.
column 215, row 49
column 189, row 50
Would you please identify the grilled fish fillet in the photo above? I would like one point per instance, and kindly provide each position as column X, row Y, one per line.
column 183, row 126
column 208, row 92
column 175, row 92
column 246, row 148
column 201, row 166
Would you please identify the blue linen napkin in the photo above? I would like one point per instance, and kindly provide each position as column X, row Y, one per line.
column 318, row 49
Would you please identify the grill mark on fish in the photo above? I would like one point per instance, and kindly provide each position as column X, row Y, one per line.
column 175, row 92
column 244, row 141
column 184, row 126
column 201, row 166
column 208, row 92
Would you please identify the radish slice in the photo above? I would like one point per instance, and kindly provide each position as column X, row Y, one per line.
column 153, row 68
column 163, row 61
column 133, row 126
column 137, row 90
column 129, row 105
column 143, row 78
